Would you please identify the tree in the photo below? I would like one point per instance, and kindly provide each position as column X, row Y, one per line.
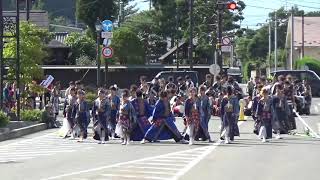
column 81, row 45
column 128, row 49
column 88, row 11
column 32, row 52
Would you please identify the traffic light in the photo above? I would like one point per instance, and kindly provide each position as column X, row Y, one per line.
column 232, row 5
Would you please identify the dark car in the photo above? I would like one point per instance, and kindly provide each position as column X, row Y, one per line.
column 175, row 74
column 235, row 72
column 308, row 75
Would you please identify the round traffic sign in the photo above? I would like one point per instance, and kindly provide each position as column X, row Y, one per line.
column 107, row 52
column 226, row 41
column 214, row 69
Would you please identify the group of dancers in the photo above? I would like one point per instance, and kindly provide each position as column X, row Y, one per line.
column 147, row 113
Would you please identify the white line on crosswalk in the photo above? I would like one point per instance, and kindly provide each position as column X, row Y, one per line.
column 35, row 152
column 158, row 168
column 146, row 172
column 160, row 164
column 135, row 177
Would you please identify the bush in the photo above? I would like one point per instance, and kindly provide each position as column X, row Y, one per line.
column 4, row 119
column 91, row 97
column 310, row 62
column 31, row 115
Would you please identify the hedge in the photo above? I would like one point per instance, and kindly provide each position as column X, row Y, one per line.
column 4, row 119
column 311, row 63
column 31, row 115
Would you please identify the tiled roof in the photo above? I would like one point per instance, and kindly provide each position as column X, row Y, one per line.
column 37, row 17
column 311, row 31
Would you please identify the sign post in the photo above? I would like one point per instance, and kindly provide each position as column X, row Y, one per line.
column 107, row 51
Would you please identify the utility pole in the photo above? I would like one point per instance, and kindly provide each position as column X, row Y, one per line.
column 219, row 41
column 275, row 42
column 27, row 10
column 120, row 17
column 302, row 46
column 190, row 52
column 292, row 40
column 1, row 59
column 177, row 38
column 18, row 58
column 269, row 55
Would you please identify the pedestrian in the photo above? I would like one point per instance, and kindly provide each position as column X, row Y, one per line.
column 133, row 90
column 209, row 82
column 205, row 114
column 71, row 85
column 250, row 87
column 289, row 93
column 170, row 84
column 55, row 101
column 163, row 126
column 143, row 112
column 229, row 113
column 101, row 113
column 281, row 112
column 70, row 102
column 81, row 115
column 126, row 118
column 264, row 115
column 189, row 82
column 114, row 100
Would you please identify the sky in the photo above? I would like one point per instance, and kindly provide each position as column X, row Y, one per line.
column 257, row 10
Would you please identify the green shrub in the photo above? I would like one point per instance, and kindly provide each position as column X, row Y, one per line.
column 31, row 115
column 4, row 119
column 90, row 98
column 310, row 62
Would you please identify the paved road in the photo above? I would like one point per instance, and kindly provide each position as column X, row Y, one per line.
column 45, row 156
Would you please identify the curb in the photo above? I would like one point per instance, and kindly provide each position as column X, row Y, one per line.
column 23, row 131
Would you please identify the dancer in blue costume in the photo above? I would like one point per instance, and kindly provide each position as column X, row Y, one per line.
column 205, row 115
column 163, row 127
column 143, row 112
column 115, row 106
column 101, row 114
column 126, row 118
column 81, row 114
column 229, row 113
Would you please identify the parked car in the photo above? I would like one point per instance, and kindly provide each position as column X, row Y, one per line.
column 235, row 72
column 311, row 76
column 175, row 74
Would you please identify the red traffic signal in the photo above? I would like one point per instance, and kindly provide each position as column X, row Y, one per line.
column 232, row 6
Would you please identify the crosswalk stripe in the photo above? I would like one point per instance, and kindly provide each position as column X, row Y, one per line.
column 135, row 177
column 158, row 168
column 146, row 172
column 161, row 164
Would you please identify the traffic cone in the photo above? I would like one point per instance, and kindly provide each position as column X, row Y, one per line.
column 241, row 114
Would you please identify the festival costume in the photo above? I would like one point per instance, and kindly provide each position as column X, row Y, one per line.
column 69, row 104
column 115, row 106
column 281, row 113
column 289, row 93
column 101, row 114
column 143, row 112
column 264, row 117
column 163, row 126
column 229, row 111
column 82, row 116
column 126, row 119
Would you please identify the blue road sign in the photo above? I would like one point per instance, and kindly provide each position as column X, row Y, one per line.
column 107, row 25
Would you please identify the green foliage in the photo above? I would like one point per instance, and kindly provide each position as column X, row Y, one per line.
column 81, row 45
column 32, row 52
column 311, row 63
column 128, row 49
column 90, row 98
column 247, row 67
column 4, row 119
column 89, row 10
column 31, row 115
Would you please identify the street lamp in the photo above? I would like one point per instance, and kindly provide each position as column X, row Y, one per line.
column 98, row 27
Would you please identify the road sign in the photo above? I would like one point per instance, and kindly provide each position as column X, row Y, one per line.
column 107, row 35
column 107, row 42
column 107, row 52
column 214, row 69
column 226, row 41
column 107, row 25
column 226, row 48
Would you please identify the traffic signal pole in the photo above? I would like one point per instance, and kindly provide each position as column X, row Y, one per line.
column 219, row 40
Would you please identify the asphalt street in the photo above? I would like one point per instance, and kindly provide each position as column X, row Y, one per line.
column 44, row 155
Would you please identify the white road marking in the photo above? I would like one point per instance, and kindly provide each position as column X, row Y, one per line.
column 46, row 145
column 319, row 128
column 160, row 164
column 131, row 176
column 306, row 125
column 132, row 166
column 146, row 172
column 316, row 109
